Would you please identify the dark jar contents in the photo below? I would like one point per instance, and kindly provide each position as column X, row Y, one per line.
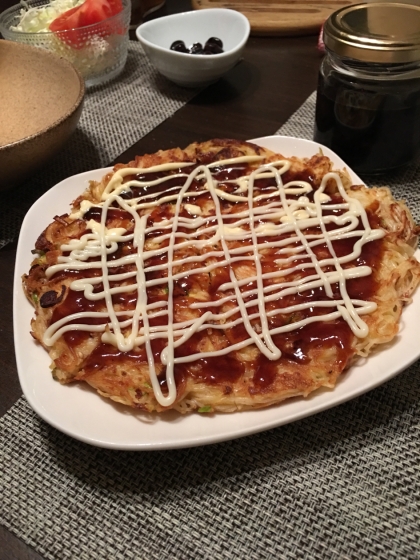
column 369, row 115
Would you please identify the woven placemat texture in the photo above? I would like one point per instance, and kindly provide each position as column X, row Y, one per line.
column 114, row 117
column 341, row 485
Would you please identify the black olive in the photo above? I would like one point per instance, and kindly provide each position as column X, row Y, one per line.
column 214, row 45
column 196, row 48
column 179, row 46
column 212, row 48
column 214, row 41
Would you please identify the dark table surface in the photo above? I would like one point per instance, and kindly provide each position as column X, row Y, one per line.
column 255, row 99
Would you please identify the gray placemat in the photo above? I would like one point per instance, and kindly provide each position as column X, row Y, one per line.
column 114, row 117
column 341, row 485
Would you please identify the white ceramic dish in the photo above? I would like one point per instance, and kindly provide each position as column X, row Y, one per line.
column 79, row 412
column 190, row 70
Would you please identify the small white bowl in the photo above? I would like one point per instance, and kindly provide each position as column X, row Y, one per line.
column 194, row 70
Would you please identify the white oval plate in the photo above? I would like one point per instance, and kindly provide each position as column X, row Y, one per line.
column 79, row 412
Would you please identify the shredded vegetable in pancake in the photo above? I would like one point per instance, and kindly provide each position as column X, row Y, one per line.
column 219, row 278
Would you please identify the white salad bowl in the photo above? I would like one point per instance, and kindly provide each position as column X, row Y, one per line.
column 195, row 70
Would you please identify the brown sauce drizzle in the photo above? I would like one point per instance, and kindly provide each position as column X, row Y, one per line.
column 106, row 355
column 295, row 346
column 113, row 214
column 265, row 373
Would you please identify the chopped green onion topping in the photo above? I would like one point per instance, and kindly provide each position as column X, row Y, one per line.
column 205, row 409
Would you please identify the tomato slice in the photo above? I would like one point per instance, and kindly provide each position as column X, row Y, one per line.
column 67, row 20
column 88, row 13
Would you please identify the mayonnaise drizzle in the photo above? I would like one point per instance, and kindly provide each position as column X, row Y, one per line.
column 266, row 216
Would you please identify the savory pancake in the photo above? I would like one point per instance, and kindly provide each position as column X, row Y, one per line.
column 219, row 278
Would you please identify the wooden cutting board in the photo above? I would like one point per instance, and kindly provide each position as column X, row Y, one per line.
column 271, row 17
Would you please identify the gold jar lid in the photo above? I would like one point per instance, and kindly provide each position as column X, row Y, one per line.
column 383, row 32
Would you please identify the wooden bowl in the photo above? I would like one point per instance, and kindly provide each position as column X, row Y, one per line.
column 41, row 98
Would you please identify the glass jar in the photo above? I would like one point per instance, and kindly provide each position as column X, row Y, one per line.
column 368, row 98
